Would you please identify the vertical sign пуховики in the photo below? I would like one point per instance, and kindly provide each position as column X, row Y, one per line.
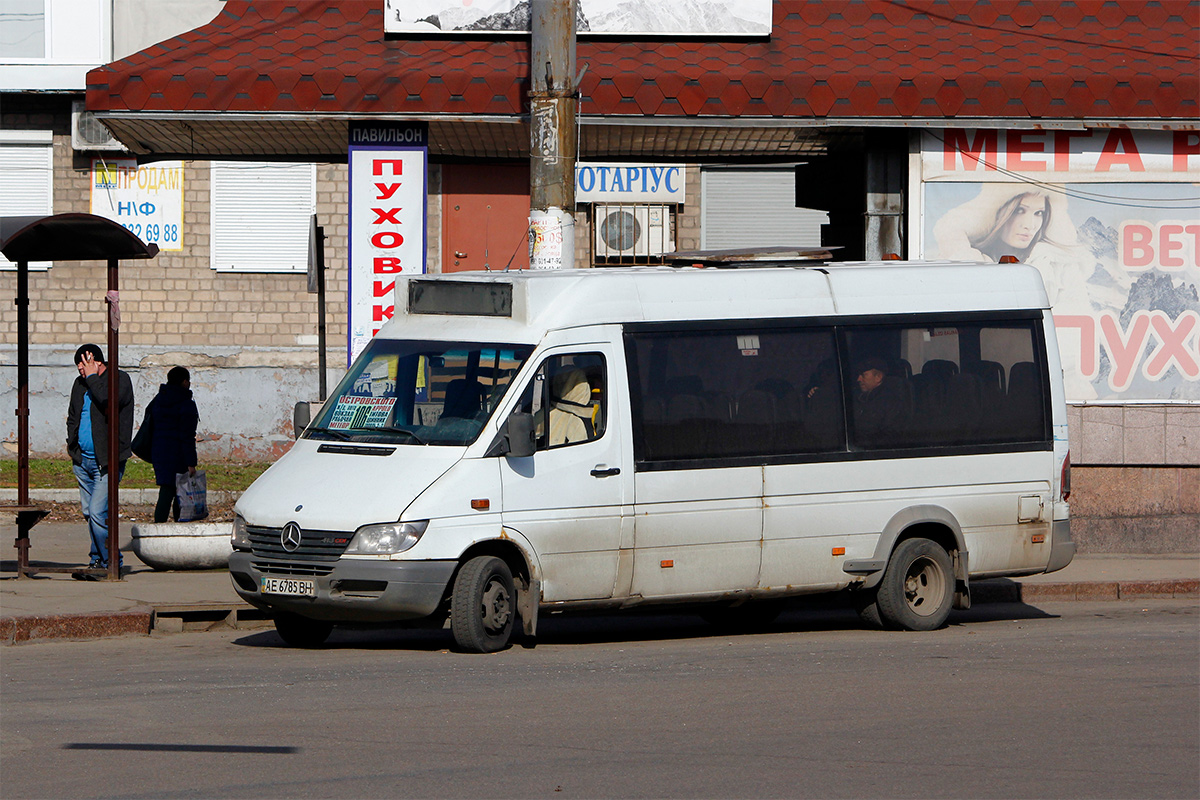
column 388, row 200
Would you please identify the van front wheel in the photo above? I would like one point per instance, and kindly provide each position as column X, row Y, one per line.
column 483, row 605
column 301, row 631
column 917, row 590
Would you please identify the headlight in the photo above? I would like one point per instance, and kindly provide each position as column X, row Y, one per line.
column 386, row 538
column 240, row 538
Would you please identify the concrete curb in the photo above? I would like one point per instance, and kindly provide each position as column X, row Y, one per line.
column 1003, row 590
column 141, row 620
column 104, row 625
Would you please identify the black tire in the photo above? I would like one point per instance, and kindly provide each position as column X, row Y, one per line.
column 867, row 605
column 917, row 590
column 483, row 605
column 746, row 618
column 301, row 631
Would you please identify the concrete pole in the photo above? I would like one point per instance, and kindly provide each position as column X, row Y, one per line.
column 553, row 143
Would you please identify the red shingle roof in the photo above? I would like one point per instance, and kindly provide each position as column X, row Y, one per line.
column 921, row 60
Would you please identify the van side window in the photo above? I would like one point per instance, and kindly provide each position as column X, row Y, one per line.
column 735, row 392
column 945, row 385
column 567, row 398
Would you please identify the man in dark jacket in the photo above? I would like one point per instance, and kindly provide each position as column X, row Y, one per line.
column 881, row 410
column 87, row 442
column 173, row 417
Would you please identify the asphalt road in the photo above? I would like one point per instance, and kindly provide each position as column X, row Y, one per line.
column 1069, row 700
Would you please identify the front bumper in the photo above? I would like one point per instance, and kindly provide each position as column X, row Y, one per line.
column 353, row 591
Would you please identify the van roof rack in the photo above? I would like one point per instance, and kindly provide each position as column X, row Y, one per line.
column 749, row 257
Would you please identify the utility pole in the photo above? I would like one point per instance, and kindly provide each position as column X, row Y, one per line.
column 553, row 142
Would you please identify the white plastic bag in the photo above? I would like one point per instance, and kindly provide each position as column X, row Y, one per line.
column 193, row 496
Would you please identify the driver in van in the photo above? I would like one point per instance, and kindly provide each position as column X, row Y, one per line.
column 570, row 408
column 880, row 410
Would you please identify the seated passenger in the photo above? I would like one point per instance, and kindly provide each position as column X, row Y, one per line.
column 570, row 408
column 881, row 408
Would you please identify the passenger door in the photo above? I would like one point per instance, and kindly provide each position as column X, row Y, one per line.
column 697, row 531
column 567, row 498
column 698, row 495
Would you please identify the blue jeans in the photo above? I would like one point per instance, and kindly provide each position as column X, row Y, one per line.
column 93, row 501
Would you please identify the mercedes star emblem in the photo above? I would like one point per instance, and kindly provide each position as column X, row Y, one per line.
column 290, row 538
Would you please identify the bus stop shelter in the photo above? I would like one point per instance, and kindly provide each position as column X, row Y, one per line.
column 65, row 237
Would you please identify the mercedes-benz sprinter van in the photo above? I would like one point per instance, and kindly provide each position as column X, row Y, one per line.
column 519, row 442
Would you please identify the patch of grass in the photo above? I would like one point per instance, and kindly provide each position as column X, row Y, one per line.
column 55, row 473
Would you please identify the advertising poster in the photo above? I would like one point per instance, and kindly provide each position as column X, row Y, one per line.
column 146, row 200
column 1110, row 218
column 388, row 184
column 681, row 17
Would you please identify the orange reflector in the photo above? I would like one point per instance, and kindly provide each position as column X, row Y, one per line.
column 481, row 505
column 839, row 551
column 1009, row 260
column 1038, row 538
column 668, row 564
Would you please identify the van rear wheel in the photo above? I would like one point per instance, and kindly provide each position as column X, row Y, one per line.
column 301, row 631
column 917, row 590
column 483, row 605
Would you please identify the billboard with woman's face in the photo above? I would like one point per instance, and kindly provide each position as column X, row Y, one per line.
column 1111, row 218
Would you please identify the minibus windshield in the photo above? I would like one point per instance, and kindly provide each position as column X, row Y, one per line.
column 419, row 393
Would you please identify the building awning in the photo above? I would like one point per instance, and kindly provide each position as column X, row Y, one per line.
column 284, row 78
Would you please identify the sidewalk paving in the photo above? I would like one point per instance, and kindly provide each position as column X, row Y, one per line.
column 55, row 606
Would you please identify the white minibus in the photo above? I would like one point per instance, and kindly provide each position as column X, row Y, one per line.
column 520, row 442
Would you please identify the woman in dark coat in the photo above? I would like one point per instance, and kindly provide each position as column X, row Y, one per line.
column 173, row 444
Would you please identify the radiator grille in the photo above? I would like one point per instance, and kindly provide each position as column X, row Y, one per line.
column 314, row 545
column 303, row 568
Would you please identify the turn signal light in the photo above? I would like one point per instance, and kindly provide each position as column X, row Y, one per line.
column 667, row 564
column 839, row 551
column 481, row 505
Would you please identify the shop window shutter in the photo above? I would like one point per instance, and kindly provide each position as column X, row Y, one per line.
column 260, row 216
column 26, row 185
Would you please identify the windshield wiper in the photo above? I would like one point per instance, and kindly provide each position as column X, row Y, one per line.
column 391, row 429
column 342, row 435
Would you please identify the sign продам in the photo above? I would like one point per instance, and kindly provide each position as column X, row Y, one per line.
column 146, row 200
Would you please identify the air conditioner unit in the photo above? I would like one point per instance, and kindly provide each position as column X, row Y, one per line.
column 633, row 231
column 89, row 133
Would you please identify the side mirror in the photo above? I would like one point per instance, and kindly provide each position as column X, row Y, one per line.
column 520, row 435
column 302, row 415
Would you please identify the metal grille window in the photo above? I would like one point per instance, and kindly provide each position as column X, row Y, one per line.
column 261, row 214
column 26, row 179
column 632, row 234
